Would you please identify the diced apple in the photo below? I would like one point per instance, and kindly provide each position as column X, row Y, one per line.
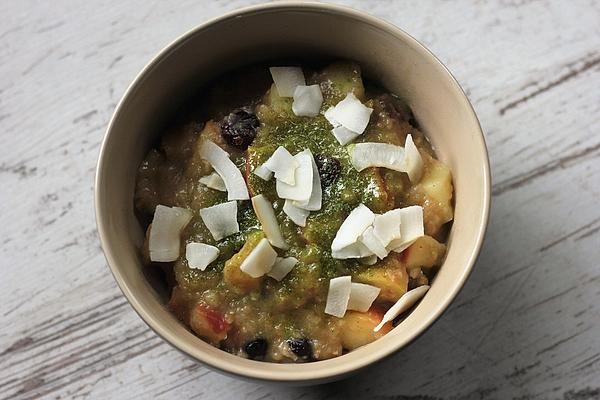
column 339, row 79
column 209, row 324
column 274, row 106
column 379, row 200
column 389, row 275
column 434, row 193
column 233, row 276
column 425, row 252
column 357, row 328
column 179, row 302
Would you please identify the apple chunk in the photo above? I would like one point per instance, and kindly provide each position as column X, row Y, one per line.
column 357, row 329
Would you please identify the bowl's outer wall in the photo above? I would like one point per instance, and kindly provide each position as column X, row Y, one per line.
column 386, row 55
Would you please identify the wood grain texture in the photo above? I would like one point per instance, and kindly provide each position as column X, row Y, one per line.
column 526, row 325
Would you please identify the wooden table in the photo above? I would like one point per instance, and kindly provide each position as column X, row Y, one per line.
column 526, row 325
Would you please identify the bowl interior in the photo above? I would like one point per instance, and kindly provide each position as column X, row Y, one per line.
column 387, row 56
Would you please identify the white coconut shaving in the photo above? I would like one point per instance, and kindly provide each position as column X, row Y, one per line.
column 287, row 79
column 200, row 255
column 221, row 219
column 268, row 221
column 213, row 181
column 405, row 302
column 307, row 101
column 164, row 239
column 231, row 175
column 260, row 260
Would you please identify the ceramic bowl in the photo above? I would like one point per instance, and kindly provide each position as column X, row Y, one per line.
column 388, row 56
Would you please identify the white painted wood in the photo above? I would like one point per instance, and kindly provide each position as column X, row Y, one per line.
column 525, row 326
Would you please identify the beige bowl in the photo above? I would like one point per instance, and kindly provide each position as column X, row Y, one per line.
column 279, row 30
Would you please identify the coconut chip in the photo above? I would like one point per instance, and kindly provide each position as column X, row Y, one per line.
column 316, row 194
column 365, row 155
column 282, row 267
column 213, row 181
column 287, row 79
column 351, row 114
column 266, row 216
column 164, row 238
column 307, row 101
column 221, row 219
column 200, row 255
column 411, row 228
column 260, row 260
column 405, row 302
column 413, row 162
column 338, row 296
column 231, row 175
column 353, row 226
column 283, row 164
column 303, row 178
column 296, row 214
column 362, row 296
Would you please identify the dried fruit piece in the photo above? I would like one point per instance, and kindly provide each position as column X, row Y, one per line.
column 257, row 348
column 300, row 347
column 239, row 128
column 209, row 323
column 329, row 168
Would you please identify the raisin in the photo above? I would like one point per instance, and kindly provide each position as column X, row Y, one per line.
column 329, row 168
column 239, row 128
column 301, row 348
column 256, row 348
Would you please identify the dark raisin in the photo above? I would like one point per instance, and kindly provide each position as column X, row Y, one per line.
column 256, row 348
column 239, row 128
column 329, row 168
column 301, row 347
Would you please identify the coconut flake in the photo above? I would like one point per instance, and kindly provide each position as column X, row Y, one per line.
column 316, row 194
column 413, row 163
column 164, row 239
column 221, row 219
column 213, row 181
column 386, row 227
column 296, row 214
column 303, row 176
column 283, row 164
column 355, row 250
column 328, row 114
column 365, row 155
column 263, row 172
column 199, row 255
column 405, row 302
column 411, row 228
column 351, row 114
column 266, row 216
column 343, row 135
column 338, row 296
column 373, row 243
column 403, row 159
column 369, row 260
column 353, row 226
column 260, row 260
column 282, row 267
column 231, row 175
column 362, row 296
column 287, row 79
column 307, row 101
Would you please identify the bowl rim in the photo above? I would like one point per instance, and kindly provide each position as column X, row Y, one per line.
column 288, row 374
